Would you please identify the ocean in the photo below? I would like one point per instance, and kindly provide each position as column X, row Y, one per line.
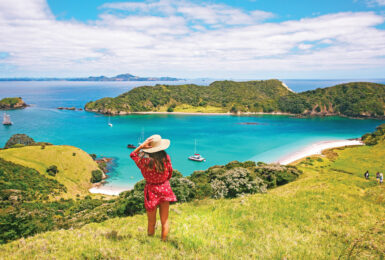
column 220, row 138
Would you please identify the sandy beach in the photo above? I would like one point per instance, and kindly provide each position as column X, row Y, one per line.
column 108, row 190
column 317, row 148
column 208, row 114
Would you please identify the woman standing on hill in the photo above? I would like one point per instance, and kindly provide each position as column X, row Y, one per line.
column 155, row 165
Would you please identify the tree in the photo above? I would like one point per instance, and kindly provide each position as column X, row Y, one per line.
column 97, row 176
column 52, row 170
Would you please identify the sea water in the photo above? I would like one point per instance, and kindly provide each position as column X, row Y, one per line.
column 219, row 138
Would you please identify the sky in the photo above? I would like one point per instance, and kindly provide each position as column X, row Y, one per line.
column 243, row 39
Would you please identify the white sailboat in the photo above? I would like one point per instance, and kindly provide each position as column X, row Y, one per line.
column 7, row 119
column 196, row 157
column 109, row 122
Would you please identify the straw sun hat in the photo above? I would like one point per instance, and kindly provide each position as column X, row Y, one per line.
column 157, row 144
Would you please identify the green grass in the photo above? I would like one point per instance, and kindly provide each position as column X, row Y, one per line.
column 74, row 171
column 325, row 214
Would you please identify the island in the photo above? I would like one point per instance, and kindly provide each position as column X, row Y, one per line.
column 12, row 103
column 120, row 77
column 355, row 99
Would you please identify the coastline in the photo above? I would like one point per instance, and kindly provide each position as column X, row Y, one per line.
column 124, row 113
column 317, row 148
column 192, row 113
column 109, row 190
column 313, row 149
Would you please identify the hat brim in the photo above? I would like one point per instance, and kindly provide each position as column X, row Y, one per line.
column 164, row 144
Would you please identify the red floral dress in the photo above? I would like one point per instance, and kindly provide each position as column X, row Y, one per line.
column 157, row 187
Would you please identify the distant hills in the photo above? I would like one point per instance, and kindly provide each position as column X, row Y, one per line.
column 121, row 77
column 357, row 99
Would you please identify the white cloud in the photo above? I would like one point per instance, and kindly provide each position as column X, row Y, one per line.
column 185, row 40
column 375, row 2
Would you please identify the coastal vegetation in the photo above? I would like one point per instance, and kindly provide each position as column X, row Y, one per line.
column 356, row 99
column 12, row 103
column 220, row 96
column 331, row 211
column 375, row 137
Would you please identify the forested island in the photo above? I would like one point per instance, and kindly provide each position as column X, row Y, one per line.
column 356, row 99
column 12, row 103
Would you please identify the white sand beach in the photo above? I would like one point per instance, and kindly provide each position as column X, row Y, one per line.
column 108, row 190
column 317, row 148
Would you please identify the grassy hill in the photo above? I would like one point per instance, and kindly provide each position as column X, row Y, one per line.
column 357, row 99
column 74, row 165
column 330, row 212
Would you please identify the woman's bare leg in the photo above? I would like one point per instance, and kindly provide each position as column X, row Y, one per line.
column 163, row 212
column 151, row 216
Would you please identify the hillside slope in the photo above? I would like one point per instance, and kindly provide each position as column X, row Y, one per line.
column 328, row 213
column 74, row 165
column 357, row 99
column 219, row 96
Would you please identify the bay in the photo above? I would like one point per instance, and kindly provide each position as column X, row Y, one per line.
column 220, row 138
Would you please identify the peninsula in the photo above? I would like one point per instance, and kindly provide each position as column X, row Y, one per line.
column 356, row 99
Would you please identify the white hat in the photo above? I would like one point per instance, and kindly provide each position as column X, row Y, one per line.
column 157, row 144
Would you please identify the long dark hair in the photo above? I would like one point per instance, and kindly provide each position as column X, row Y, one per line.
column 158, row 159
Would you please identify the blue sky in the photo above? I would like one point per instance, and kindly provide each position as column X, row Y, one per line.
column 244, row 39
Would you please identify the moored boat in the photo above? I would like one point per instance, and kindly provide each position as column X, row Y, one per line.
column 7, row 119
column 131, row 146
column 196, row 157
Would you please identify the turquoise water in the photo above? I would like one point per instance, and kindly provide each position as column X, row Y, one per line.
column 220, row 138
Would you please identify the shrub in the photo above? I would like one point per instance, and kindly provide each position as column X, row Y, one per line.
column 183, row 188
column 52, row 170
column 275, row 175
column 236, row 182
column 19, row 139
column 97, row 176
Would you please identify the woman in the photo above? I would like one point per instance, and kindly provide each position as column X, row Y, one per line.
column 155, row 165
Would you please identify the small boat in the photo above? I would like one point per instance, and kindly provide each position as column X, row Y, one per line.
column 131, row 146
column 7, row 119
column 196, row 157
column 109, row 122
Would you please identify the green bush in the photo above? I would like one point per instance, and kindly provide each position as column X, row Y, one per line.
column 96, row 176
column 19, row 140
column 236, row 182
column 375, row 137
column 52, row 170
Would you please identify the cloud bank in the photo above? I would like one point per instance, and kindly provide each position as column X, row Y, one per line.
column 184, row 39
